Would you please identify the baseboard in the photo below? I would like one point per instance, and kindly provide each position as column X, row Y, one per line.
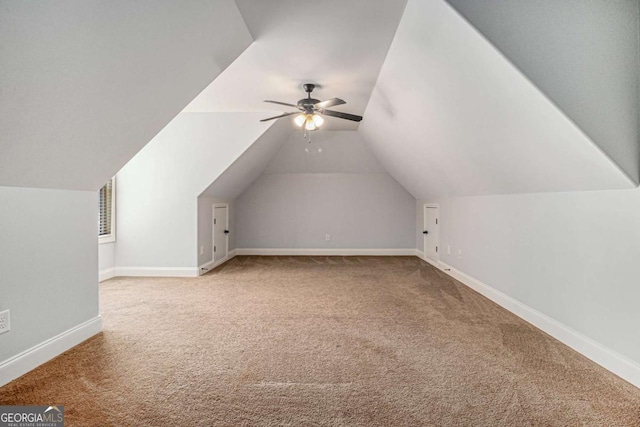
column 620, row 365
column 325, row 252
column 204, row 268
column 425, row 258
column 106, row 274
column 35, row 356
column 157, row 271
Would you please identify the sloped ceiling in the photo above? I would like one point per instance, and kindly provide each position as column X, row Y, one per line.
column 339, row 44
column 85, row 85
column 90, row 84
column 157, row 189
column 281, row 151
column 450, row 116
column 582, row 54
column 250, row 165
column 329, row 152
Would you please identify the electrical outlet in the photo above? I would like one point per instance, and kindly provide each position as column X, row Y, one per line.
column 327, row 237
column 460, row 253
column 5, row 326
column 448, row 249
column 201, row 250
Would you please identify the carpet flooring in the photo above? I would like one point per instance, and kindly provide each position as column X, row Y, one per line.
column 320, row 341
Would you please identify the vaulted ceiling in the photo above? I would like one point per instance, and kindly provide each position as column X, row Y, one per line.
column 452, row 116
column 250, row 164
column 582, row 54
column 458, row 99
column 85, row 85
column 337, row 44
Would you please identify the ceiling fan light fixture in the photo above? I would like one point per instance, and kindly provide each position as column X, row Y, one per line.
column 310, row 111
column 317, row 120
column 310, row 124
column 300, row 119
column 309, row 121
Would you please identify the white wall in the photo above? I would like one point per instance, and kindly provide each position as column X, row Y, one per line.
column 106, row 257
column 157, row 208
column 332, row 186
column 572, row 256
column 205, row 226
column 48, row 264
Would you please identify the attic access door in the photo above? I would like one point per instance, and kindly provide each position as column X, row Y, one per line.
column 220, row 231
column 431, row 231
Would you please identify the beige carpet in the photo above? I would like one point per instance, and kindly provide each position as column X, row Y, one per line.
column 305, row 341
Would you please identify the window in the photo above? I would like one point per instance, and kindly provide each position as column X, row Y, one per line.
column 107, row 212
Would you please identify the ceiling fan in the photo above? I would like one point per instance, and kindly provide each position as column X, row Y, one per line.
column 311, row 110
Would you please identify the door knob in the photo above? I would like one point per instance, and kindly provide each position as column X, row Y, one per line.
column 226, row 231
column 425, row 232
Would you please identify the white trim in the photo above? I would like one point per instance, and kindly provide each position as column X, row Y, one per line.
column 620, row 365
column 107, row 238
column 325, row 252
column 30, row 359
column 206, row 267
column 106, row 274
column 424, row 227
column 213, row 234
column 111, row 237
column 157, row 271
column 422, row 256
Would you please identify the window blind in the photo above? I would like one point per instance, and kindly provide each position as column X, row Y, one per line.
column 105, row 196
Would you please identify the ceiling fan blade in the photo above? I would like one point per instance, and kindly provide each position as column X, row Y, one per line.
column 329, row 103
column 281, row 103
column 277, row 117
column 341, row 115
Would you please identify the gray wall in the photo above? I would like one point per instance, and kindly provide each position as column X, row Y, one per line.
column 288, row 211
column 572, row 256
column 48, row 264
column 583, row 54
column 205, row 226
column 334, row 185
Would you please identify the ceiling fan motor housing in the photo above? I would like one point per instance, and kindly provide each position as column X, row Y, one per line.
column 307, row 103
